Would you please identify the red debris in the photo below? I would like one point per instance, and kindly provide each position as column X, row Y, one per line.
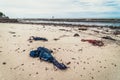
column 93, row 42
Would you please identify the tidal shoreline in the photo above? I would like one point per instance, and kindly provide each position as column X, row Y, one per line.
column 23, row 21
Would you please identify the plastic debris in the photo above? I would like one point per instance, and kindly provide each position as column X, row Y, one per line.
column 109, row 38
column 37, row 38
column 93, row 42
column 45, row 54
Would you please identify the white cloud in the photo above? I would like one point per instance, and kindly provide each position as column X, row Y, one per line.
column 58, row 7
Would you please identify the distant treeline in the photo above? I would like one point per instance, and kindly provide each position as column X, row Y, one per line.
column 3, row 16
column 6, row 20
column 76, row 20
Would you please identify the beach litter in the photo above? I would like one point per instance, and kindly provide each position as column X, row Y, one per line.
column 37, row 38
column 65, row 30
column 82, row 28
column 117, row 32
column 109, row 38
column 45, row 54
column 96, row 31
column 93, row 42
column 62, row 36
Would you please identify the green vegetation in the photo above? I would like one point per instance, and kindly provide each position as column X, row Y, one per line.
column 2, row 15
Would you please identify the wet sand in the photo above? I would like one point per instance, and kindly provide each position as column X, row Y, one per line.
column 85, row 61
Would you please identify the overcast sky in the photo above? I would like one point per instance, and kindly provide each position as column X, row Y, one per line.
column 61, row 8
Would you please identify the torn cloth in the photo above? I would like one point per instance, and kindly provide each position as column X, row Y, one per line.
column 45, row 54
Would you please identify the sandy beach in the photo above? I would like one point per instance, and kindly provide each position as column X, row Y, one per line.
column 84, row 60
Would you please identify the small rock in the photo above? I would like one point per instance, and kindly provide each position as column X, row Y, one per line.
column 77, row 62
column 33, row 63
column 51, row 51
column 92, row 77
column 68, row 63
column 84, row 68
column 115, row 65
column 36, row 72
column 22, row 64
column 28, row 44
column 46, row 68
column 105, row 67
column 81, row 75
column 76, row 35
column 29, row 74
column 73, row 59
column 23, row 50
column 54, row 48
column 84, row 62
column 93, row 69
column 4, row 63
column 59, row 48
column 22, row 69
column 55, row 39
column 82, row 28
column 14, row 35
column 11, row 32
column 30, row 41
column 98, row 71
column 80, row 49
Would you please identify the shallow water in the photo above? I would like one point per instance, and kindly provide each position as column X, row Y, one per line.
column 117, row 24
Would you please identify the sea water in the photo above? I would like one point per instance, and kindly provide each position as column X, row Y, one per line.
column 117, row 24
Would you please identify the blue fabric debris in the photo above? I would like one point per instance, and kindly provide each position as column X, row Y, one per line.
column 38, row 38
column 45, row 54
column 34, row 53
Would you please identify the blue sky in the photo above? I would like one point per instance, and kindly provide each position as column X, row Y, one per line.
column 61, row 8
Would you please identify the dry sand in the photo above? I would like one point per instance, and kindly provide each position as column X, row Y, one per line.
column 87, row 62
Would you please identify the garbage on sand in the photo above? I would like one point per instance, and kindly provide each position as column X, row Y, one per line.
column 82, row 28
column 45, row 54
column 109, row 38
column 93, row 42
column 117, row 32
column 37, row 38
